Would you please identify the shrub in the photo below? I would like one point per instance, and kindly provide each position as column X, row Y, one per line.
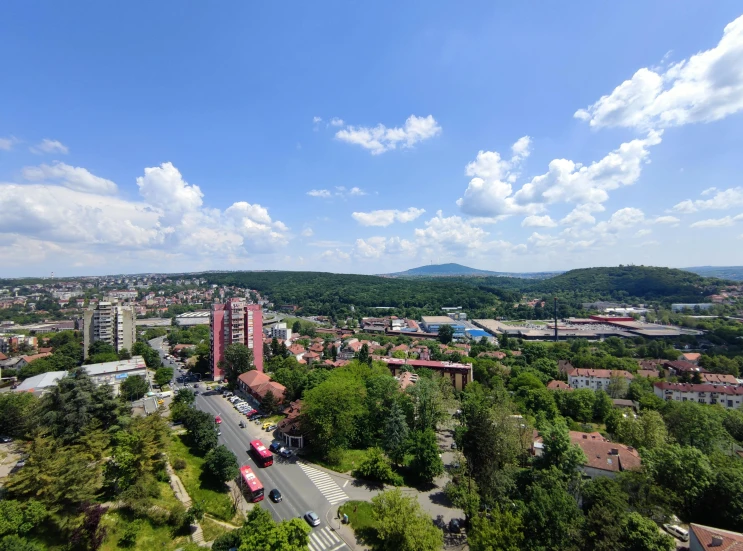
column 158, row 516
column 179, row 464
column 129, row 537
column 178, row 516
column 335, row 456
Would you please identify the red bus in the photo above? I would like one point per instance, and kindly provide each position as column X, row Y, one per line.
column 250, row 484
column 260, row 453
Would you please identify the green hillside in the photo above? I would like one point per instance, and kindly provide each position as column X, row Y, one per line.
column 624, row 282
column 341, row 295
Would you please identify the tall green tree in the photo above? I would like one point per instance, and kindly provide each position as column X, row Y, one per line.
column 15, row 408
column 642, row 534
column 260, row 531
column 647, row 431
column 330, row 412
column 220, row 464
column 163, row 375
column 238, row 359
column 500, row 530
column 446, row 333
column 428, row 404
column 402, row 525
column 269, row 403
column 551, row 515
column 396, row 434
column 426, row 463
column 134, row 387
column 559, row 451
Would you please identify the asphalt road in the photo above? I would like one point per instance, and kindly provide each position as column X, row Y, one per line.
column 299, row 493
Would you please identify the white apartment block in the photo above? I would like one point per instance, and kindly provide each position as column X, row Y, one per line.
column 280, row 331
column 727, row 396
column 595, row 379
column 110, row 323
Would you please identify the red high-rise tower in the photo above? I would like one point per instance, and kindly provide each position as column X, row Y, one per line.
column 233, row 322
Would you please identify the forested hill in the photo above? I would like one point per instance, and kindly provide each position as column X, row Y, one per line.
column 336, row 294
column 455, row 270
column 623, row 282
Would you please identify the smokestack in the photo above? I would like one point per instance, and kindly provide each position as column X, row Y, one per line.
column 555, row 319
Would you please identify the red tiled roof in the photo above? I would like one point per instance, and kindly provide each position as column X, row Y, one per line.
column 45, row 350
column 719, row 378
column 725, row 539
column 683, row 366
column 3, row 356
column 259, row 383
column 691, row 356
column 600, row 373
column 558, row 385
column 704, row 387
column 29, row 359
column 296, row 349
column 647, row 373
column 604, row 455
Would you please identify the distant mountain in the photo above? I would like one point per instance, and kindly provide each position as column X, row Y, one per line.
column 458, row 270
column 723, row 272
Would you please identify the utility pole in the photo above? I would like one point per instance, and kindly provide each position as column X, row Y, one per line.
column 555, row 319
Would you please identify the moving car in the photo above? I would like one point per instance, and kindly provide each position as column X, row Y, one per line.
column 218, row 420
column 275, row 495
column 312, row 518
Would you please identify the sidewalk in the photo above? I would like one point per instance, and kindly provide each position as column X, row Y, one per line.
column 197, row 534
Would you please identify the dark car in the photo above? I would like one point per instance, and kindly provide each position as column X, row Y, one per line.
column 275, row 495
column 454, row 445
column 455, row 526
column 275, row 447
column 5, row 439
column 312, row 518
column 285, row 453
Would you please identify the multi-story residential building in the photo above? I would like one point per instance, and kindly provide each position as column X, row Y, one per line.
column 280, row 331
column 595, row 379
column 728, row 396
column 110, row 323
column 236, row 321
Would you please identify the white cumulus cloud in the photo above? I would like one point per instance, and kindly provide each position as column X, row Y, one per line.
column 706, row 87
column 379, row 139
column 6, row 144
column 49, row 146
column 535, row 221
column 72, row 177
column 386, row 217
column 717, row 222
column 721, row 200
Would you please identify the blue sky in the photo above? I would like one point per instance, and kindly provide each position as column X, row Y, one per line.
column 369, row 137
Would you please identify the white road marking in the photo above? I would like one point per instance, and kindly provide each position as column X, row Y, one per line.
column 324, row 483
column 324, row 539
column 344, row 484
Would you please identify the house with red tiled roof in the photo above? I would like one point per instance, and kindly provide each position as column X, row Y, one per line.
column 290, row 428
column 311, row 357
column 25, row 360
column 595, row 379
column 257, row 384
column 45, row 350
column 399, row 348
column 727, row 396
column 603, row 457
column 679, row 367
column 558, row 385
column 719, row 378
column 297, row 350
column 691, row 357
column 317, row 347
column 707, row 538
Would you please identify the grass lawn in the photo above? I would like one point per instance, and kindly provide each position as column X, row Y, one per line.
column 217, row 502
column 349, row 460
column 211, row 529
column 361, row 519
column 148, row 536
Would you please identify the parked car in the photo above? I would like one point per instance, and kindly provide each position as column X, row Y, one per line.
column 218, row 420
column 266, row 425
column 275, row 446
column 242, row 424
column 676, row 531
column 272, row 428
column 454, row 526
column 312, row 518
column 454, row 445
column 286, row 453
column 5, row 439
column 275, row 495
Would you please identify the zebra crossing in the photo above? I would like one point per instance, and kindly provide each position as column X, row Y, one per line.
column 324, row 539
column 324, row 483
